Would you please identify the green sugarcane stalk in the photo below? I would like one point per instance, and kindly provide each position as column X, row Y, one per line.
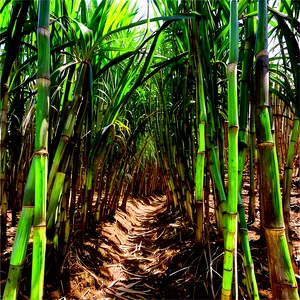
column 288, row 171
column 233, row 127
column 251, row 280
column 56, row 193
column 283, row 282
column 100, row 148
column 67, row 228
column 69, row 125
column 252, row 158
column 248, row 261
column 41, row 151
column 292, row 47
column 217, row 179
column 102, row 159
column 12, row 44
column 21, row 239
column 201, row 123
column 247, row 70
column 287, row 183
column 162, row 147
column 221, row 138
column 62, row 228
column 3, row 164
column 83, row 195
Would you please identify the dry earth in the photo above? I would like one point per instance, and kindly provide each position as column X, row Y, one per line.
column 148, row 253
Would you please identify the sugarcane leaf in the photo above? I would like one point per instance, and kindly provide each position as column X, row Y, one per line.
column 172, row 18
column 285, row 86
column 284, row 5
column 223, row 34
column 293, row 50
column 293, row 21
column 83, row 12
column 242, row 5
column 162, row 65
column 63, row 68
column 22, row 84
column 4, row 5
column 225, row 7
column 100, row 140
column 127, row 55
column 296, row 8
column 284, row 98
column 87, row 36
column 251, row 14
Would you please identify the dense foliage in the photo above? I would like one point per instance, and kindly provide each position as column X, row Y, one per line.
column 98, row 103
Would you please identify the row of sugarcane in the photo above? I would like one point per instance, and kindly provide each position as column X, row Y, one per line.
column 124, row 120
column 92, row 149
column 198, row 135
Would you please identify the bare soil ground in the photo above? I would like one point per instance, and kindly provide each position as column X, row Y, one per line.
column 127, row 258
column 148, row 253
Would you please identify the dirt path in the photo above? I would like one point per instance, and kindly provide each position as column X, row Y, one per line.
column 147, row 253
column 129, row 257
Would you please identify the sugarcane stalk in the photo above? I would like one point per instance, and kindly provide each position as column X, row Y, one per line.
column 3, row 166
column 247, row 70
column 252, row 159
column 246, row 78
column 41, row 151
column 282, row 277
column 233, row 127
column 217, row 179
column 248, row 261
column 21, row 239
column 201, row 123
column 56, row 193
column 12, row 44
column 133, row 171
column 69, row 125
column 287, row 184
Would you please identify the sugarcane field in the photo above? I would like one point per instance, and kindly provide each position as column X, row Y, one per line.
column 149, row 149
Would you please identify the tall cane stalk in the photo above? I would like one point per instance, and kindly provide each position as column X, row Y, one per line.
column 201, row 124
column 282, row 277
column 233, row 128
column 41, row 151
